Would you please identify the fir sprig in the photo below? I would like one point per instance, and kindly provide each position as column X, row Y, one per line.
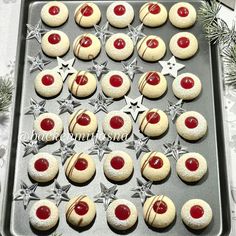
column 6, row 89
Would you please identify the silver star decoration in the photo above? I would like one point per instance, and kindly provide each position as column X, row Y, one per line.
column 68, row 104
column 102, row 32
column 65, row 151
column 174, row 149
column 35, row 31
column 37, row 62
column 134, row 106
column 175, row 109
column 139, row 145
column 143, row 190
column 107, row 195
column 98, row 69
column 131, row 68
column 59, row 193
column 36, row 108
column 100, row 103
column 171, row 67
column 100, row 147
column 26, row 193
column 135, row 33
column 65, row 68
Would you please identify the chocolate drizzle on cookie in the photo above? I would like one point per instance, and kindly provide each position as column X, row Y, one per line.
column 76, row 86
column 73, row 161
column 78, row 12
column 144, row 81
column 148, row 12
column 77, row 115
column 148, row 120
column 145, row 163
column 147, row 45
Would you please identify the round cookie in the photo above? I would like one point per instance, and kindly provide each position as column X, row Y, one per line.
column 159, row 211
column 43, row 167
column 48, row 83
column 87, row 14
column 187, row 86
column 86, row 46
column 80, row 168
column 54, row 13
column 152, row 84
column 196, row 214
column 82, row 84
column 153, row 122
column 80, row 211
column 121, row 214
column 151, row 48
column 118, row 166
column 115, row 84
column 191, row 125
column 155, row 166
column 48, row 127
column 55, row 43
column 119, row 47
column 183, row 45
column 153, row 14
column 117, row 125
column 43, row 215
column 191, row 167
column 120, row 14
column 82, row 124
column 182, row 15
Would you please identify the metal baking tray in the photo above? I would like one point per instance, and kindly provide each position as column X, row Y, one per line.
column 213, row 187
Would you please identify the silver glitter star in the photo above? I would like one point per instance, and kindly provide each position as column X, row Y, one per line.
column 37, row 62
column 171, row 67
column 174, row 149
column 139, row 145
column 107, row 195
column 102, row 32
column 134, row 106
column 175, row 109
column 65, row 68
column 100, row 147
column 59, row 193
column 68, row 104
column 135, row 33
column 98, row 69
column 142, row 191
column 100, row 103
column 36, row 108
column 35, row 31
column 26, row 193
column 65, row 151
column 131, row 68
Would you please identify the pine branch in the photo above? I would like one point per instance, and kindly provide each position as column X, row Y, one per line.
column 6, row 89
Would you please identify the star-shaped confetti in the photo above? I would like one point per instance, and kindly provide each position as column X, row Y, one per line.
column 135, row 33
column 59, row 193
column 175, row 109
column 174, row 149
column 100, row 103
column 35, row 31
column 26, row 193
column 65, row 151
column 102, row 32
column 65, row 68
column 68, row 104
column 107, row 195
column 143, row 190
column 139, row 145
column 100, row 147
column 171, row 67
column 131, row 68
column 37, row 62
column 98, row 69
column 36, row 108
column 134, row 106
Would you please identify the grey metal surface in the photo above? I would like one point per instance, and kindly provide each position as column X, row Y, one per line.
column 212, row 188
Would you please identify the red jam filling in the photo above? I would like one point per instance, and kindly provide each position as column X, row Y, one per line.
column 54, row 38
column 81, row 208
column 183, row 42
column 153, row 78
column 191, row 122
column 54, row 10
column 86, row 10
column 183, row 11
column 159, row 207
column 116, row 80
column 119, row 43
column 116, row 122
column 43, row 212
column 117, row 162
column 152, row 43
column 119, row 10
column 47, row 80
column 154, row 8
column 155, row 162
column 122, row 212
column 81, row 80
column 187, row 82
column 81, row 164
column 83, row 119
column 153, row 117
column 41, row 164
column 196, row 211
column 192, row 164
column 47, row 124
column 85, row 42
